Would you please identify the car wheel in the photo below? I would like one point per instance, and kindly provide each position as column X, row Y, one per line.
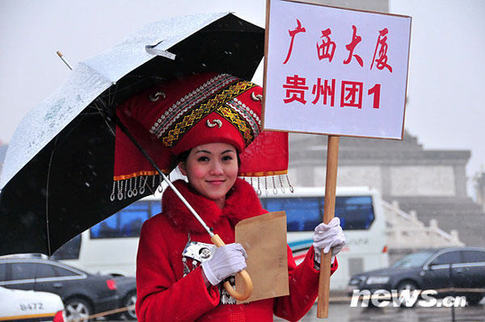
column 406, row 286
column 473, row 299
column 77, row 310
column 130, row 301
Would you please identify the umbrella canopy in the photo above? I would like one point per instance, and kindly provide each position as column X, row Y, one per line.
column 57, row 176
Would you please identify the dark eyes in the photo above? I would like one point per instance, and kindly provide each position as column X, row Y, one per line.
column 202, row 159
column 206, row 158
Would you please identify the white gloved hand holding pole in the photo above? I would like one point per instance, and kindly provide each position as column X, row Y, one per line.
column 328, row 237
column 226, row 261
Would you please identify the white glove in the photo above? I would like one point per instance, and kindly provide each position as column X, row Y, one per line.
column 328, row 236
column 226, row 261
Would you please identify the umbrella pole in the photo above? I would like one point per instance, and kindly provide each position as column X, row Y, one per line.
column 247, row 290
column 61, row 56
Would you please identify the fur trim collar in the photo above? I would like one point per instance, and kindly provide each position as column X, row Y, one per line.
column 241, row 202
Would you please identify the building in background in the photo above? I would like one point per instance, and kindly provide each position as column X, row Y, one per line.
column 431, row 183
column 480, row 189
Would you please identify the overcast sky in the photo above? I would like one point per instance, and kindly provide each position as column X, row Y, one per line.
column 445, row 110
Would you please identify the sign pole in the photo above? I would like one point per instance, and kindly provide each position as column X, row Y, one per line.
column 328, row 214
column 372, row 82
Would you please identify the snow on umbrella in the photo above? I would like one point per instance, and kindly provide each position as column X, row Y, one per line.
column 57, row 176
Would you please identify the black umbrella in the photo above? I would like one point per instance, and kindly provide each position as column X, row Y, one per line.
column 58, row 182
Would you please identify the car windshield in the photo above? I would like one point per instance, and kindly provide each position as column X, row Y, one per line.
column 413, row 260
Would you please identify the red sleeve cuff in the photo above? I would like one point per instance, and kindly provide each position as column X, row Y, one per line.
column 311, row 254
column 211, row 293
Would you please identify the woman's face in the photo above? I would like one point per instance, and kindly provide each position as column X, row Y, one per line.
column 212, row 170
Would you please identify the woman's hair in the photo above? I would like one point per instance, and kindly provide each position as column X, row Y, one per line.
column 182, row 157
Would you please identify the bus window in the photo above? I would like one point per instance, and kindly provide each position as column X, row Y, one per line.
column 156, row 207
column 106, row 229
column 355, row 213
column 302, row 214
column 305, row 213
column 126, row 222
column 130, row 224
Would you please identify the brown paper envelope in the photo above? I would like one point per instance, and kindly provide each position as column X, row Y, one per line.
column 264, row 239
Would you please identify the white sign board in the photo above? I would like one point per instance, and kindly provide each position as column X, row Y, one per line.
column 335, row 71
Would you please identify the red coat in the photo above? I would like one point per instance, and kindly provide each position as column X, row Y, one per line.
column 165, row 294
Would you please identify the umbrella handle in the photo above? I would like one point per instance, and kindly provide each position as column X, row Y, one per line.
column 248, row 289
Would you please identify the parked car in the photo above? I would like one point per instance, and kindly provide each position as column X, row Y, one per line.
column 430, row 269
column 127, row 293
column 83, row 293
column 19, row 305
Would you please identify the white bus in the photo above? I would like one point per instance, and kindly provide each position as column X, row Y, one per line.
column 361, row 217
column 110, row 247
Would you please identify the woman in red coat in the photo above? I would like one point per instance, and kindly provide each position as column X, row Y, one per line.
column 206, row 122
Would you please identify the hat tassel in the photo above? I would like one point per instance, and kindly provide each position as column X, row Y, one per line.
column 132, row 187
column 273, row 185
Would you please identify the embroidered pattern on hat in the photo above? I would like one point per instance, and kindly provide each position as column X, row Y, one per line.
column 178, row 129
column 248, row 114
column 239, row 122
column 191, row 99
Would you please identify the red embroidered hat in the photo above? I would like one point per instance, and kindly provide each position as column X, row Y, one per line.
column 181, row 114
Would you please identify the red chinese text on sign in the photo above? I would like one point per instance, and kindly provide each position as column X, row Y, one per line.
column 346, row 74
column 381, row 60
column 351, row 47
column 325, row 91
column 293, row 33
column 327, row 48
column 351, row 94
column 295, row 89
column 376, row 91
